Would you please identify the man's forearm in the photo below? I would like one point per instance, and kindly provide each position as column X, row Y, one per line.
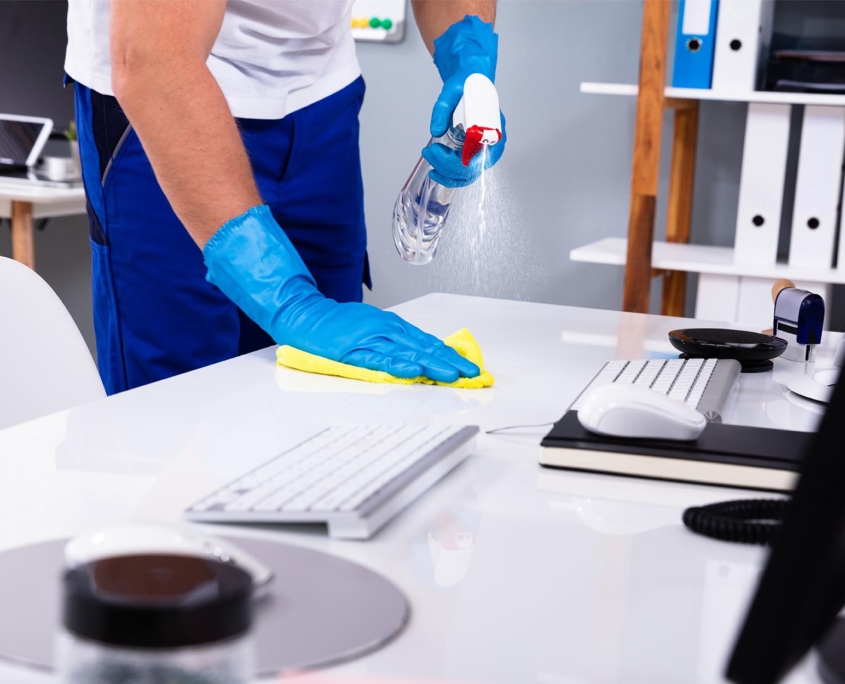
column 435, row 16
column 193, row 144
column 160, row 78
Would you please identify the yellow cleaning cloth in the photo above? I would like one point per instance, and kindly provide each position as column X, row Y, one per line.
column 462, row 341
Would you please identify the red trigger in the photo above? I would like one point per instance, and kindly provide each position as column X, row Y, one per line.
column 473, row 142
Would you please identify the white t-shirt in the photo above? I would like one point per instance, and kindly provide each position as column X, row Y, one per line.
column 270, row 58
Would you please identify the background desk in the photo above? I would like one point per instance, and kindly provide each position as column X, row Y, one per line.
column 22, row 203
column 570, row 577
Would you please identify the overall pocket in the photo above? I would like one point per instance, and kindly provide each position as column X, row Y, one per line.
column 106, row 321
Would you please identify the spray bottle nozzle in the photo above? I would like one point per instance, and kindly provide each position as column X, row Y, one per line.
column 476, row 139
column 478, row 115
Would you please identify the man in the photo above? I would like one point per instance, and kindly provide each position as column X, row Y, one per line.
column 219, row 145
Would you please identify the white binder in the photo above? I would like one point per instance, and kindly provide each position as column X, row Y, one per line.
column 743, row 37
column 817, row 188
column 761, row 183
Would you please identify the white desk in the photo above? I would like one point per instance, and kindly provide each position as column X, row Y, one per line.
column 571, row 578
column 23, row 203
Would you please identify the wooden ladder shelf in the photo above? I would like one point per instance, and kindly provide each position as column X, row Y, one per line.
column 651, row 104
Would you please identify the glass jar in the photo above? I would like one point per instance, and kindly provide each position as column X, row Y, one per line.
column 156, row 619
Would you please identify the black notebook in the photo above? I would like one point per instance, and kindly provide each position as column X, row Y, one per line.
column 726, row 455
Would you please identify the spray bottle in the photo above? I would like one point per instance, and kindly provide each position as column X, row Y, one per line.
column 423, row 204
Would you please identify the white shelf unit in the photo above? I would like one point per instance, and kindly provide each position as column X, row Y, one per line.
column 727, row 290
column 674, row 256
column 762, row 96
column 724, row 286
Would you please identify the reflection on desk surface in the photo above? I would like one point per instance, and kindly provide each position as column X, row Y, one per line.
column 30, row 178
column 516, row 574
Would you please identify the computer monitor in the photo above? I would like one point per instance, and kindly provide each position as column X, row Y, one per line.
column 802, row 588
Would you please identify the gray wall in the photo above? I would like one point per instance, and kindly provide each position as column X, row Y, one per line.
column 32, row 43
column 565, row 175
column 563, row 182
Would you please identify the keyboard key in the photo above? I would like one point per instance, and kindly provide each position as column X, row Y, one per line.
column 649, row 373
column 668, row 374
column 613, row 369
column 632, row 370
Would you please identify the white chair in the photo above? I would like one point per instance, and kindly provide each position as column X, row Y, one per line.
column 45, row 365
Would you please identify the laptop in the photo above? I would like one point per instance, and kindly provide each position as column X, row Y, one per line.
column 22, row 140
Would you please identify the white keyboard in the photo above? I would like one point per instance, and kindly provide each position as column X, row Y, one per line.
column 353, row 478
column 703, row 384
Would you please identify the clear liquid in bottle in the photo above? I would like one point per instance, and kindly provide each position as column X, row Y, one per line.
column 422, row 209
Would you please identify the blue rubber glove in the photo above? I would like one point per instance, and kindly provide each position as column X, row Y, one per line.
column 469, row 46
column 254, row 263
column 448, row 167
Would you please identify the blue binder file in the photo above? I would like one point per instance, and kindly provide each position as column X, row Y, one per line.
column 695, row 43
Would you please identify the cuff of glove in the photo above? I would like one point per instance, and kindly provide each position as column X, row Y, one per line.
column 255, row 264
column 229, row 231
column 248, row 240
column 470, row 42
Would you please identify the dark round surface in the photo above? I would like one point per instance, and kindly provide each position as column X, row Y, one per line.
column 320, row 609
column 757, row 366
column 747, row 366
column 721, row 343
column 157, row 601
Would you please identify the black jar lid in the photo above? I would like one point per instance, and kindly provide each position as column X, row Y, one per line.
column 157, row 601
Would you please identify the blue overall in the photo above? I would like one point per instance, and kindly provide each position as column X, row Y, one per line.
column 155, row 315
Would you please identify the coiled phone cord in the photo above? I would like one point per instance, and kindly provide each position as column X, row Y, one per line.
column 747, row 521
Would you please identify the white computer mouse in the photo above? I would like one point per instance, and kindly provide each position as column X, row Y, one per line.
column 631, row 411
column 146, row 538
